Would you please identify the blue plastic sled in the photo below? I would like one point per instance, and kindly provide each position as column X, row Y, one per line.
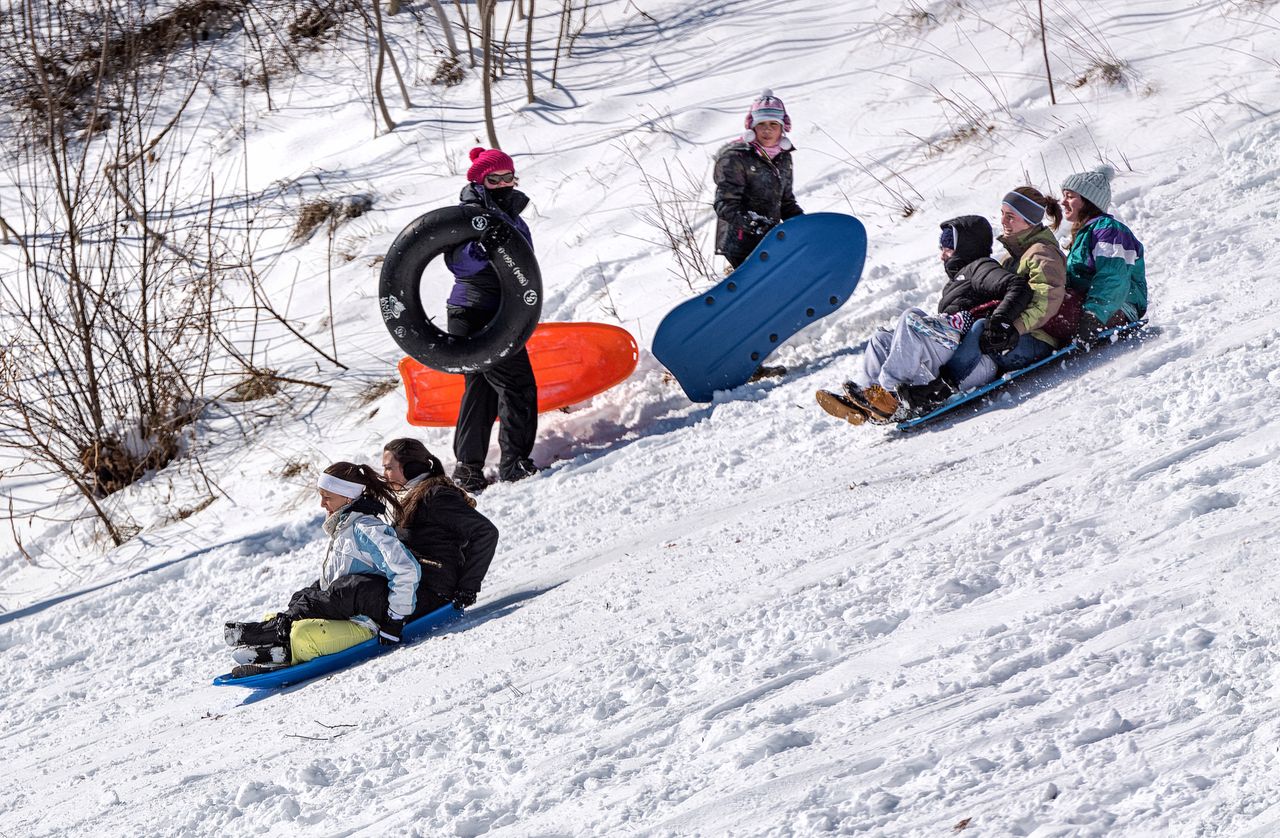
column 978, row 392
column 805, row 268
column 325, row 664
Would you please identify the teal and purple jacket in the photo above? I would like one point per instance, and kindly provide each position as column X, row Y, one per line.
column 1106, row 265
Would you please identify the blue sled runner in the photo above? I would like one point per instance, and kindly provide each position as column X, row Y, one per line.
column 325, row 664
column 1116, row 333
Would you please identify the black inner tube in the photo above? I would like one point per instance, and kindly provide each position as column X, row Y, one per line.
column 400, row 294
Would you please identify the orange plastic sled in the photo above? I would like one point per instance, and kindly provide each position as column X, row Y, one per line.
column 571, row 361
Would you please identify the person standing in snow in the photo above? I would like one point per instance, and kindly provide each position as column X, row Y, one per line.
column 1044, row 325
column 1105, row 261
column 753, row 176
column 367, row 586
column 507, row 390
column 902, row 364
column 439, row 524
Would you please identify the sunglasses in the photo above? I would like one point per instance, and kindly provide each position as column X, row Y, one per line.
column 494, row 180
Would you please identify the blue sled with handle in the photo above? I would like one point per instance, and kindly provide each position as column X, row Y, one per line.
column 804, row 268
column 959, row 399
column 325, row 664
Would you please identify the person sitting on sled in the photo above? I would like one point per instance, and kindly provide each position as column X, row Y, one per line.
column 1105, row 261
column 439, row 524
column 900, row 367
column 367, row 586
column 1047, row 323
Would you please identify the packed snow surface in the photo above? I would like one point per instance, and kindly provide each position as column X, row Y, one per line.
column 1057, row 615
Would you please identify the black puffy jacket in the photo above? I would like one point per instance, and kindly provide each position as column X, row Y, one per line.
column 453, row 542
column 984, row 281
column 976, row 279
column 748, row 181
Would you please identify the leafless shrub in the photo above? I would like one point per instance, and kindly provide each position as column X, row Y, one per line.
column 449, row 72
column 903, row 197
column 376, row 390
column 82, row 49
column 1112, row 72
column 331, row 211
column 260, row 384
column 294, row 468
column 317, row 24
column 675, row 208
column 186, row 512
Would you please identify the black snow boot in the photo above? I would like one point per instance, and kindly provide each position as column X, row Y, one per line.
column 261, row 654
column 470, row 478
column 250, row 634
column 919, row 399
column 518, row 470
column 244, row 670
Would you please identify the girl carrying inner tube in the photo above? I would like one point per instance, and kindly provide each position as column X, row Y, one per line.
column 367, row 586
column 507, row 390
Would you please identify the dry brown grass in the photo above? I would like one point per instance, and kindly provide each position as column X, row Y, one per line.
column 331, row 211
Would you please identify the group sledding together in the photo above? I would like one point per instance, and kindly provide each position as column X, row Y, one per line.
column 998, row 317
column 401, row 545
column 409, row 542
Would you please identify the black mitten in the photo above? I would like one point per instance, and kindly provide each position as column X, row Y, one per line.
column 1089, row 327
column 495, row 235
column 390, row 629
column 998, row 337
column 464, row 599
column 757, row 224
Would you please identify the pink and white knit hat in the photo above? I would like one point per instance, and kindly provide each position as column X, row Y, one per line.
column 768, row 108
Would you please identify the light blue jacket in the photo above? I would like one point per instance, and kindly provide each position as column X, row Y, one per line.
column 362, row 543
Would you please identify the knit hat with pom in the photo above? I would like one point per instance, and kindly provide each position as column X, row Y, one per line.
column 485, row 161
column 768, row 108
column 1093, row 186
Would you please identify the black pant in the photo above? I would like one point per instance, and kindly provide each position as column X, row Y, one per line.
column 347, row 597
column 505, row 391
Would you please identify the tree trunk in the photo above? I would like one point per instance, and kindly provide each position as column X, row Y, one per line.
column 486, row 45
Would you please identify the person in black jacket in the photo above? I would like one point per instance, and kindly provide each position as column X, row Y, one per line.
column 507, row 390
column 439, row 524
column 900, row 367
column 753, row 176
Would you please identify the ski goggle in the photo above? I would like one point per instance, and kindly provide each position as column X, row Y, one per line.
column 494, row 180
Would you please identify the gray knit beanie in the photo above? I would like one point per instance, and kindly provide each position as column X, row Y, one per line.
column 1094, row 186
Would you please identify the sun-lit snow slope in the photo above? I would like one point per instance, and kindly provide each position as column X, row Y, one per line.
column 1055, row 616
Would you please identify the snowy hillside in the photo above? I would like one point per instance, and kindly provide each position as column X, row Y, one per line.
column 1055, row 616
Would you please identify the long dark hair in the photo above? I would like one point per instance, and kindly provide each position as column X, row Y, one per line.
column 1052, row 207
column 414, row 458
column 1088, row 212
column 417, row 461
column 374, row 485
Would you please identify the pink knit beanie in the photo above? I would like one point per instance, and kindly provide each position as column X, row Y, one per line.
column 486, row 161
column 768, row 108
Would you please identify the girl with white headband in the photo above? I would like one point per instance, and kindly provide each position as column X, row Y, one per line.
column 367, row 586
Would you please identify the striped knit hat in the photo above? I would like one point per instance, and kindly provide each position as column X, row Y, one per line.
column 768, row 108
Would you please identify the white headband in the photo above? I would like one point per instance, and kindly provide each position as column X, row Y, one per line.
column 341, row 487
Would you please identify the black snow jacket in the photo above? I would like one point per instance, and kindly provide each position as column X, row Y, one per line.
column 476, row 284
column 976, row 279
column 748, row 181
column 453, row 542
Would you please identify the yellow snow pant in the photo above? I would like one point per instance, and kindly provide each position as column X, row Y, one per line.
column 312, row 638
